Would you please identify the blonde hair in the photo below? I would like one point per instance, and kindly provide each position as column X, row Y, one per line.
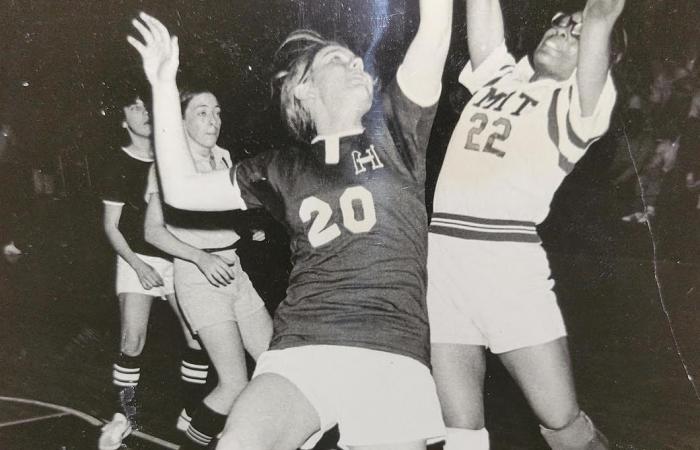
column 296, row 55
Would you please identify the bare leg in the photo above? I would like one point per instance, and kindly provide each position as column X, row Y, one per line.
column 256, row 332
column 544, row 374
column 191, row 341
column 270, row 414
column 135, row 310
column 459, row 371
column 223, row 343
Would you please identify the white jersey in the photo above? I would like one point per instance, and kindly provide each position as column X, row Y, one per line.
column 204, row 235
column 514, row 143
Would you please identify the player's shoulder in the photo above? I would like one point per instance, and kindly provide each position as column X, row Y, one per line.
column 220, row 152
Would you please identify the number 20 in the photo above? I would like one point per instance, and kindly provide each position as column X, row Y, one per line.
column 321, row 232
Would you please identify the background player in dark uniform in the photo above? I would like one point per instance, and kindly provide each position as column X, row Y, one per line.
column 143, row 272
column 350, row 344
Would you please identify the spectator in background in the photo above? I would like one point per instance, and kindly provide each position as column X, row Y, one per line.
column 649, row 152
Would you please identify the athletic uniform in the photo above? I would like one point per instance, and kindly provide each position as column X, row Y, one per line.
column 354, row 207
column 202, row 303
column 124, row 184
column 514, row 143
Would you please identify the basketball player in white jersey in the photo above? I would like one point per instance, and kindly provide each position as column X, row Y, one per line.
column 489, row 284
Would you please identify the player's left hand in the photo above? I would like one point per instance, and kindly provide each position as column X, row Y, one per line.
column 258, row 235
column 603, row 9
column 159, row 51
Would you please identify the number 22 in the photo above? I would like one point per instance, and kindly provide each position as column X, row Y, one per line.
column 483, row 120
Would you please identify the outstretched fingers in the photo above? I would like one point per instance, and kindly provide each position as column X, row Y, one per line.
column 160, row 32
column 160, row 51
column 144, row 30
column 136, row 44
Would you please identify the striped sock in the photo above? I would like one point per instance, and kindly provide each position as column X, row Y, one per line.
column 126, row 372
column 206, row 425
column 194, row 369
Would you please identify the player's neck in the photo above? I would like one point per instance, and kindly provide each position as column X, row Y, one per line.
column 337, row 125
column 140, row 146
column 198, row 149
column 337, row 118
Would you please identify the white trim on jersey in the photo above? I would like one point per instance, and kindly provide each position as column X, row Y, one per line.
column 112, row 202
column 332, row 143
column 131, row 155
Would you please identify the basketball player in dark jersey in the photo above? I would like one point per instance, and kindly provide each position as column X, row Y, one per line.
column 142, row 271
column 350, row 344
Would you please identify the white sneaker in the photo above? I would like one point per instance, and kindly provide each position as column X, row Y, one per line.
column 114, row 432
column 183, row 421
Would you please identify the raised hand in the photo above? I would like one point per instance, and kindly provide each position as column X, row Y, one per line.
column 603, row 9
column 159, row 51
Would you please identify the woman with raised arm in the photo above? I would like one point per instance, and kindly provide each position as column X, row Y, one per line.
column 350, row 343
column 521, row 133
column 214, row 293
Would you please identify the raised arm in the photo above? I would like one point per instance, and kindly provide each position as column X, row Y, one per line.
column 183, row 187
column 484, row 29
column 599, row 17
column 425, row 59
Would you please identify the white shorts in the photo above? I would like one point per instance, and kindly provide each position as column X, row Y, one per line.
column 127, row 281
column 204, row 304
column 493, row 294
column 374, row 397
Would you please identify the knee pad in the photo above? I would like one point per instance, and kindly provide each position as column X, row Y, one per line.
column 464, row 439
column 579, row 434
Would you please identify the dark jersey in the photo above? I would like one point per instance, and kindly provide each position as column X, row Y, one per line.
column 124, row 182
column 358, row 232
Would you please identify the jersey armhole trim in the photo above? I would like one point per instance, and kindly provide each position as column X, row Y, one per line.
column 112, row 203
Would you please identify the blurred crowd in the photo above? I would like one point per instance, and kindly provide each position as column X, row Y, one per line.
column 656, row 169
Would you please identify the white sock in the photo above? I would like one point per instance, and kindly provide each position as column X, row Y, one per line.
column 463, row 439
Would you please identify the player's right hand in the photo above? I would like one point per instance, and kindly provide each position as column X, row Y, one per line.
column 148, row 276
column 216, row 270
column 159, row 51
